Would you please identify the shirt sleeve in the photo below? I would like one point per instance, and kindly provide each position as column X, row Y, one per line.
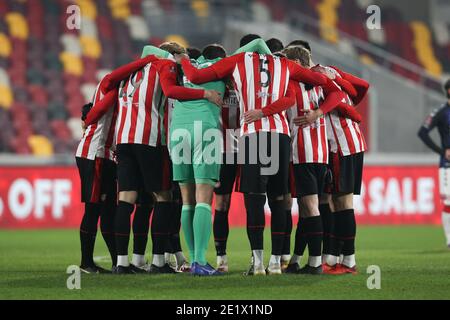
column 424, row 132
column 333, row 96
column 218, row 70
column 281, row 104
column 168, row 78
column 102, row 106
column 346, row 86
column 361, row 85
column 307, row 76
column 113, row 79
column 348, row 111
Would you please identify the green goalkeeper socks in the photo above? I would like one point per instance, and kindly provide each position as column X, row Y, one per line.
column 202, row 231
column 187, row 220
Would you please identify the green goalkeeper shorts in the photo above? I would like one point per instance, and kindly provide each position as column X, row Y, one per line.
column 195, row 150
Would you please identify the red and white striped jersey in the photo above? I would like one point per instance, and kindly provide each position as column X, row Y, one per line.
column 141, row 99
column 260, row 80
column 98, row 139
column 230, row 122
column 345, row 135
column 309, row 144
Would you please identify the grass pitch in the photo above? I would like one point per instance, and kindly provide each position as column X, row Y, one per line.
column 414, row 263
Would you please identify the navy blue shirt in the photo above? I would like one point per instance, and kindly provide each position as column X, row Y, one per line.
column 440, row 119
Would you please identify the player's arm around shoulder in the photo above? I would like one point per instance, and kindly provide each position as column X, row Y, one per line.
column 167, row 70
column 102, row 106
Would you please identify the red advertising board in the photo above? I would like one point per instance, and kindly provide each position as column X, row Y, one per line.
column 49, row 197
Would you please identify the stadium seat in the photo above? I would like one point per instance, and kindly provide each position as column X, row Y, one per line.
column 6, row 97
column 40, row 145
column 5, row 46
column 328, row 20
column 74, row 125
column 72, row 64
column 71, row 44
column 424, row 48
column 120, row 9
column 89, row 28
column 261, row 12
column 138, row 28
column 4, row 78
column 18, row 27
column 200, row 7
column 90, row 47
column 88, row 91
column 88, row 9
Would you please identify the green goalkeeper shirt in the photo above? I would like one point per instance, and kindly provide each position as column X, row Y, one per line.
column 187, row 112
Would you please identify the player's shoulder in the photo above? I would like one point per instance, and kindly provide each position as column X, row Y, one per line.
column 166, row 64
column 434, row 115
column 442, row 108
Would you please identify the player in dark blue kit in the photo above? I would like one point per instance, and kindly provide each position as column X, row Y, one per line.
column 440, row 119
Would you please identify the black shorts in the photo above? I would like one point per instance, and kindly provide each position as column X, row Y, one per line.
column 142, row 167
column 309, row 179
column 228, row 173
column 256, row 174
column 98, row 180
column 347, row 173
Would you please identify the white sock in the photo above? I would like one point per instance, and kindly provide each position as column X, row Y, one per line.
column 295, row 259
column 138, row 260
column 158, row 260
column 167, row 257
column 222, row 260
column 180, row 258
column 349, row 261
column 341, row 258
column 325, row 258
column 314, row 261
column 123, row 261
column 258, row 257
column 286, row 257
column 332, row 260
column 275, row 260
column 446, row 225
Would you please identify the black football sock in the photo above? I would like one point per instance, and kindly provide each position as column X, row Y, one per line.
column 327, row 221
column 287, row 236
column 123, row 227
column 88, row 232
column 221, row 231
column 141, row 226
column 254, row 205
column 107, row 218
column 349, row 231
column 341, row 231
column 300, row 237
column 314, row 239
column 162, row 215
column 335, row 235
column 174, row 227
column 278, row 225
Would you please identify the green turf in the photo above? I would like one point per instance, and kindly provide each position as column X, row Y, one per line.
column 414, row 262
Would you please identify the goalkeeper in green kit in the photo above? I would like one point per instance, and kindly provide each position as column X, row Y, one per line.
column 196, row 152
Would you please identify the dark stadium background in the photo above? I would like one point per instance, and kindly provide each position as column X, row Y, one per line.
column 47, row 72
